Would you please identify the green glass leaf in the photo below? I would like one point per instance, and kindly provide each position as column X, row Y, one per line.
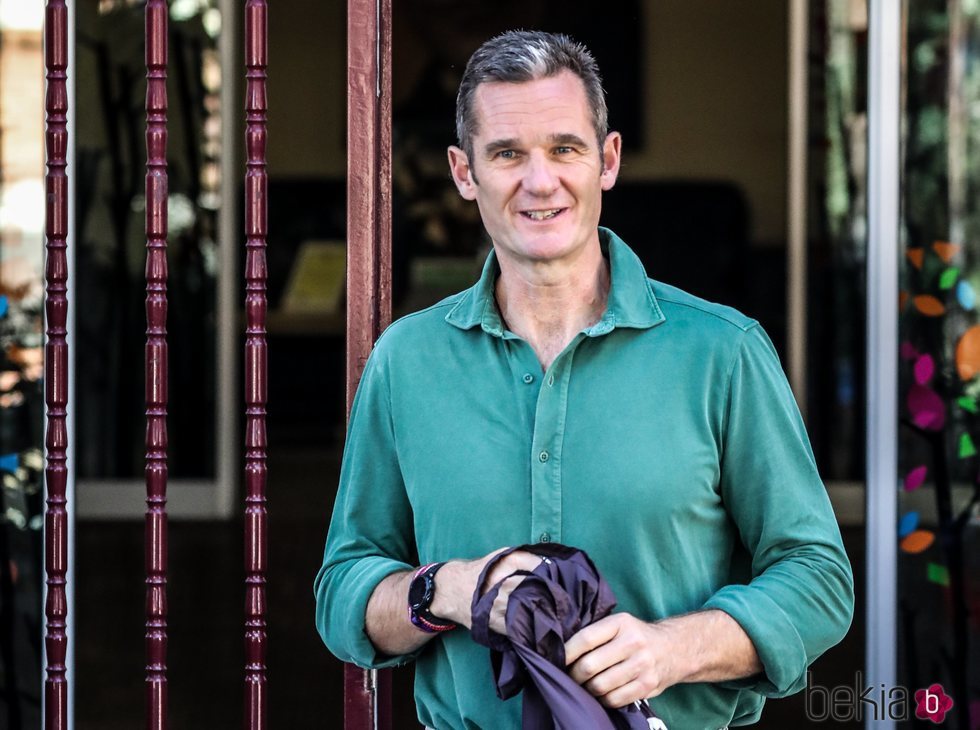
column 938, row 574
column 966, row 446
column 967, row 404
column 948, row 278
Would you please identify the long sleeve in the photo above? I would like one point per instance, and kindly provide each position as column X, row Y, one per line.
column 371, row 534
column 800, row 599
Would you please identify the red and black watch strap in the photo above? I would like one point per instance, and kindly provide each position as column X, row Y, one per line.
column 421, row 591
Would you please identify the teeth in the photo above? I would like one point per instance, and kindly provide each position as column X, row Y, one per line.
column 540, row 215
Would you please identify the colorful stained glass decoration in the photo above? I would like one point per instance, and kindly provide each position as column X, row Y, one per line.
column 938, row 574
column 927, row 408
column 968, row 353
column 917, row 541
column 967, row 448
column 924, row 369
column 908, row 351
column 9, row 462
column 908, row 523
column 965, row 295
column 929, row 305
column 946, row 251
column 948, row 278
column 967, row 404
column 915, row 256
column 915, row 478
column 3, row 306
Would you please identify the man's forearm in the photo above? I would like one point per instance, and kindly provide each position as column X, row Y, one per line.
column 714, row 647
column 386, row 619
column 387, row 622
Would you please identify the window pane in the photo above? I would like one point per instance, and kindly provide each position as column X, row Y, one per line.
column 109, row 184
column 939, row 390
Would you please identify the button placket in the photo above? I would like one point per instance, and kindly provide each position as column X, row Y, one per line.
column 549, row 422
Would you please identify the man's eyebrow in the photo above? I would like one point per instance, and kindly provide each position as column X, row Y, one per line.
column 499, row 144
column 567, row 138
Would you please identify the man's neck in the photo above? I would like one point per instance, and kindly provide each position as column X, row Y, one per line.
column 547, row 304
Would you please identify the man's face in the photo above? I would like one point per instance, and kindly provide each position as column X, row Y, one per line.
column 537, row 160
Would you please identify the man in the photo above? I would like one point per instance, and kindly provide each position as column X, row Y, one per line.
column 567, row 397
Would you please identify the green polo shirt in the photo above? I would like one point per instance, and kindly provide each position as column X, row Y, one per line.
column 664, row 441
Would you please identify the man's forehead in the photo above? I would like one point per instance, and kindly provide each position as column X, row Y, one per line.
column 565, row 81
column 559, row 97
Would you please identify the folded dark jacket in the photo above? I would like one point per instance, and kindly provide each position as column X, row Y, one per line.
column 561, row 596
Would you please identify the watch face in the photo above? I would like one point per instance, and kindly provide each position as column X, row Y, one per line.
column 416, row 592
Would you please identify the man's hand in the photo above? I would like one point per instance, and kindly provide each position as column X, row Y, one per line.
column 456, row 584
column 519, row 560
column 621, row 659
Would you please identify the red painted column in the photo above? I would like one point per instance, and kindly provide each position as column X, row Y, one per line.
column 56, row 365
column 367, row 695
column 156, row 364
column 256, row 223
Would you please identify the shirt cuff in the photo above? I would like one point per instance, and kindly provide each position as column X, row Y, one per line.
column 776, row 640
column 349, row 608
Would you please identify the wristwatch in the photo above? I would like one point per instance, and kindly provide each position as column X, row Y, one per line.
column 420, row 594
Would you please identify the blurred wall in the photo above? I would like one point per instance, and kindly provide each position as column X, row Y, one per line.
column 716, row 95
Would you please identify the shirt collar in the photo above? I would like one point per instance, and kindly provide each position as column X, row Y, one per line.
column 631, row 301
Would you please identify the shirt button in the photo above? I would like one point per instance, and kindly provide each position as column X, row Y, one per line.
column 543, row 456
column 545, row 537
column 528, row 378
column 551, row 380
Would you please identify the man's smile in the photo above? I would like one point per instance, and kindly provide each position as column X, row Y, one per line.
column 541, row 215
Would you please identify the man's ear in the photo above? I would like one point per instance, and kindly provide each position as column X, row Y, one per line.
column 459, row 168
column 611, row 150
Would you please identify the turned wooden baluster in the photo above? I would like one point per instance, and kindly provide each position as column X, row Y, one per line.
column 56, row 366
column 256, row 217
column 156, row 364
column 367, row 694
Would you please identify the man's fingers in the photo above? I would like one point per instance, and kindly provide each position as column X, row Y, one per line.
column 498, row 612
column 611, row 678
column 625, row 695
column 593, row 664
column 519, row 560
column 589, row 638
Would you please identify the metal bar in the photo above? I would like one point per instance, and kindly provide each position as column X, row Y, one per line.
column 256, row 223
column 56, row 366
column 156, row 364
column 229, row 231
column 70, row 491
column 957, row 121
column 367, row 694
column 796, row 260
column 884, row 174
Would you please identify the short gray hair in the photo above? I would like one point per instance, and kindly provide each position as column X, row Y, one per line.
column 519, row 56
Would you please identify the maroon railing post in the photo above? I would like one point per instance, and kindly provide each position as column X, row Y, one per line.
column 367, row 695
column 256, row 218
column 56, row 366
column 156, row 364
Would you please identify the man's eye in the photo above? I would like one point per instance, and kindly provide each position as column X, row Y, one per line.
column 564, row 150
column 507, row 154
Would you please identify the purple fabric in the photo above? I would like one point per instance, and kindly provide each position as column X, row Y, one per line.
column 561, row 596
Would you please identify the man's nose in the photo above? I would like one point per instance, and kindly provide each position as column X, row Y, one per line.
column 540, row 175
